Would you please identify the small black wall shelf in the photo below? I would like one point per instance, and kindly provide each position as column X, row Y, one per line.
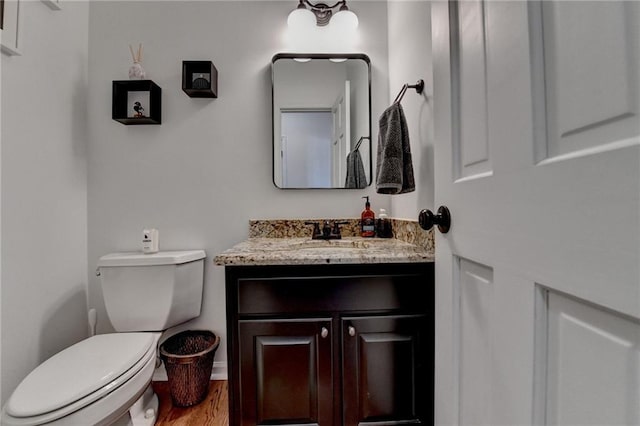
column 200, row 79
column 136, row 102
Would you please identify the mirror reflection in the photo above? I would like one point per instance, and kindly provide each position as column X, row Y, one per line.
column 321, row 121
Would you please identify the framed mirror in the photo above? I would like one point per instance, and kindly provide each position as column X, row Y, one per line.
column 321, row 118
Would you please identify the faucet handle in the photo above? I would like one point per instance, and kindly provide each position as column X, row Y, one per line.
column 316, row 229
column 336, row 227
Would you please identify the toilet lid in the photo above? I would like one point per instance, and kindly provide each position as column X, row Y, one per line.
column 77, row 371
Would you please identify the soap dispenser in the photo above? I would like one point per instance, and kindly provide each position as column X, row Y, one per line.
column 367, row 221
column 383, row 229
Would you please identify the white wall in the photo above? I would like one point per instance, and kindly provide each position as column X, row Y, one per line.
column 44, row 189
column 409, row 61
column 206, row 170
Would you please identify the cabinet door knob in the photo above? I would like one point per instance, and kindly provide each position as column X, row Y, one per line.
column 324, row 332
column 352, row 331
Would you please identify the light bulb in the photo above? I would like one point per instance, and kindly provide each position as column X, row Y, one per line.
column 344, row 21
column 301, row 18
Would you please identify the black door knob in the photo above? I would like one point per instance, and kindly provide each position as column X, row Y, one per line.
column 427, row 219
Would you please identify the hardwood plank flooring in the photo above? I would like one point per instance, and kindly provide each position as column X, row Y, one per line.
column 213, row 411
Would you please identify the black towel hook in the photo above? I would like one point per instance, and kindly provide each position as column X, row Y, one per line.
column 360, row 142
column 419, row 86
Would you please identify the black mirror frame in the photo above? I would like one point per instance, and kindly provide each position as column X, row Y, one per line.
column 278, row 56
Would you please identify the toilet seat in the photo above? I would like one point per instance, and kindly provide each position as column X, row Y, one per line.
column 83, row 374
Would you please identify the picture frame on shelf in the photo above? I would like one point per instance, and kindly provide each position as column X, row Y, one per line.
column 10, row 27
column 200, row 79
column 136, row 102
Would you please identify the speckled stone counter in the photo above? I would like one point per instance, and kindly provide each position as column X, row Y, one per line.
column 288, row 242
column 305, row 251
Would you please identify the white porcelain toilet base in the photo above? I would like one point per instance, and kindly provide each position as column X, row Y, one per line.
column 144, row 412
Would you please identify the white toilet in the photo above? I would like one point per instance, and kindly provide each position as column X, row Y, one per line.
column 106, row 379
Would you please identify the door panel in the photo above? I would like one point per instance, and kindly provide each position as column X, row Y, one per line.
column 591, row 76
column 341, row 138
column 285, row 372
column 593, row 364
column 474, row 286
column 293, row 355
column 471, row 144
column 564, row 151
column 386, row 370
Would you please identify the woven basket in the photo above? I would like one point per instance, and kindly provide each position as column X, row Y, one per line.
column 188, row 359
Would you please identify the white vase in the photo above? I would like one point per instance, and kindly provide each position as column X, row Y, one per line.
column 136, row 72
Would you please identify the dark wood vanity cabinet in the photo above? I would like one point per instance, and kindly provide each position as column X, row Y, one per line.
column 384, row 359
column 285, row 371
column 330, row 344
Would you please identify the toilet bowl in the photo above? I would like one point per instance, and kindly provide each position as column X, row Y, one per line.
column 106, row 379
column 93, row 382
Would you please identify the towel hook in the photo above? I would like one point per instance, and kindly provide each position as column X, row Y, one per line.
column 419, row 86
column 360, row 142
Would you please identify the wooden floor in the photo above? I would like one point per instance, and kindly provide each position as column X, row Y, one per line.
column 213, row 411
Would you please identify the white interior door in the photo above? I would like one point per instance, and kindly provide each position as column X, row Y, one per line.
column 341, row 135
column 538, row 160
column 306, row 143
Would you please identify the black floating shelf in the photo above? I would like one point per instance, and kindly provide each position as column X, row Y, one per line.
column 200, row 79
column 126, row 93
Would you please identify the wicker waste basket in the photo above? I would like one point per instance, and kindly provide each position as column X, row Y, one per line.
column 188, row 359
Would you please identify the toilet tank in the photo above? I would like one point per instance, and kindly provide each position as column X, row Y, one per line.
column 152, row 292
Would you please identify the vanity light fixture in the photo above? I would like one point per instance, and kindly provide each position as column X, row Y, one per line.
column 321, row 15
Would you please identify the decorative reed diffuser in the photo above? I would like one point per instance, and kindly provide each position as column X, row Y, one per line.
column 136, row 72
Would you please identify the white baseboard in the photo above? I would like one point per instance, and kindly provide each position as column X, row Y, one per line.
column 218, row 372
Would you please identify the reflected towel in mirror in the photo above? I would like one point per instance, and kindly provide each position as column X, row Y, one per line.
column 356, row 177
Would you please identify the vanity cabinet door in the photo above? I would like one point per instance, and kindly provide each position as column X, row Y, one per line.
column 387, row 370
column 286, row 371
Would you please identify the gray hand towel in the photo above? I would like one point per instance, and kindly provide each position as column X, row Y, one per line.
column 394, row 168
column 356, row 177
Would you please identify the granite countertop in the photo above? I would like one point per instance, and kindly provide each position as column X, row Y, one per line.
column 305, row 251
